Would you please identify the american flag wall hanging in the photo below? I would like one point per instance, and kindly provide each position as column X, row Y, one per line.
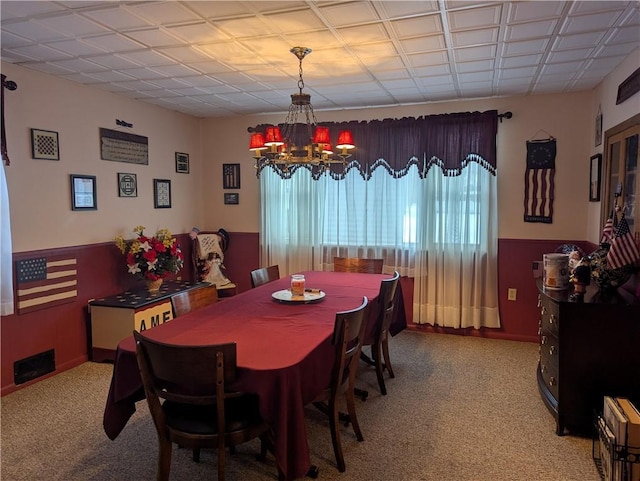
column 539, row 180
column 46, row 282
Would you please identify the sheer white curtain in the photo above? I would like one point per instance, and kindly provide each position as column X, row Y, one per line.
column 6, row 272
column 441, row 230
column 456, row 261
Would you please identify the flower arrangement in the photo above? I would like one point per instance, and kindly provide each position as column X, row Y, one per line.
column 151, row 257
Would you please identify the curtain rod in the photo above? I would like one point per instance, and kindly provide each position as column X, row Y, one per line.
column 506, row 115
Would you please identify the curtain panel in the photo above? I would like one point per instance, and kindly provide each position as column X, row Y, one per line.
column 449, row 141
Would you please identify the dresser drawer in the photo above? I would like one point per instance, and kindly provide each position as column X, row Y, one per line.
column 549, row 350
column 549, row 315
column 550, row 377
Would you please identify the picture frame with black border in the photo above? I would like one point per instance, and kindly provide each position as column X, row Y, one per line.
column 45, row 144
column 83, row 192
column 127, row 185
column 162, row 193
column 182, row 163
column 231, row 198
column 598, row 128
column 594, row 177
column 230, row 176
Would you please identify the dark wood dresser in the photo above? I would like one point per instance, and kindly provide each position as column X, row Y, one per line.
column 588, row 349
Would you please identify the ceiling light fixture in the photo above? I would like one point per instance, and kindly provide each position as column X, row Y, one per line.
column 299, row 143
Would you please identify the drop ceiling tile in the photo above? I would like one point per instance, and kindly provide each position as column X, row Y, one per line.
column 475, row 37
column 109, row 76
column 477, row 66
column 147, row 57
column 475, row 53
column 184, row 54
column 475, row 17
column 349, row 13
column 33, row 31
column 526, row 47
column 419, row 26
column 363, row 34
column 408, row 8
column 201, row 32
column 588, row 23
column 623, row 35
column 142, row 73
column 536, row 10
column 557, row 68
column 117, row 16
column 376, row 49
column 9, row 40
column 292, row 22
column 113, row 42
column 423, row 44
column 569, row 55
column 520, row 61
column 112, row 61
column 428, row 59
column 518, row 73
column 76, row 48
column 72, row 25
column 138, row 85
column 163, row 12
column 40, row 52
column 614, row 50
column 525, row 31
column 443, row 69
column 582, row 40
column 79, row 65
column 588, row 7
column 11, row 10
column 49, row 68
column 174, row 70
column 153, row 37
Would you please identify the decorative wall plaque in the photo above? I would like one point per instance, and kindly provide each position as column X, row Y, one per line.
column 124, row 147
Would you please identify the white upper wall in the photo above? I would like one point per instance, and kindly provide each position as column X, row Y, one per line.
column 41, row 214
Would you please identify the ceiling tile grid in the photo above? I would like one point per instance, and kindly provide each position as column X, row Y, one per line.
column 221, row 58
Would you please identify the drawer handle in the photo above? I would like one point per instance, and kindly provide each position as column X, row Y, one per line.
column 539, row 300
column 543, row 310
column 543, row 368
column 552, row 319
column 552, row 381
column 543, row 340
column 539, row 330
column 553, row 350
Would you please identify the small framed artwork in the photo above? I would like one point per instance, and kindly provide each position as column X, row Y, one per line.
column 230, row 176
column 44, row 145
column 182, row 163
column 83, row 192
column 162, row 193
column 127, row 185
column 231, row 198
column 594, row 178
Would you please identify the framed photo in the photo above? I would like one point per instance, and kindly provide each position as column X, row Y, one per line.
column 594, row 178
column 182, row 163
column 230, row 176
column 231, row 198
column 162, row 193
column 83, row 192
column 44, row 145
column 127, row 185
column 598, row 128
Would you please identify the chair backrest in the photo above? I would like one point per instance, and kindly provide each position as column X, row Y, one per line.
column 187, row 301
column 348, row 334
column 264, row 275
column 386, row 300
column 356, row 264
column 185, row 374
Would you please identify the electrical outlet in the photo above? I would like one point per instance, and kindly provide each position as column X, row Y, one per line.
column 511, row 296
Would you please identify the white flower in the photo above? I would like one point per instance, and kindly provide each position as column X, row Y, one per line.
column 134, row 269
column 145, row 246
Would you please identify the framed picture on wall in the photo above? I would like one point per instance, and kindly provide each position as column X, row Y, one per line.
column 44, row 145
column 83, row 192
column 230, row 176
column 594, row 178
column 127, row 185
column 182, row 163
column 232, row 199
column 162, row 193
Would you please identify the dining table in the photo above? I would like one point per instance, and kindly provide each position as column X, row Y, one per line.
column 284, row 352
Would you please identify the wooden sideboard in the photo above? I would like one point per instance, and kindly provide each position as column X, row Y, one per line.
column 114, row 318
column 589, row 348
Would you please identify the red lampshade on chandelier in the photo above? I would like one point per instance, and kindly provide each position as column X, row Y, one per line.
column 299, row 143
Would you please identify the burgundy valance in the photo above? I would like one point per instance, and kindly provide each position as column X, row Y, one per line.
column 449, row 141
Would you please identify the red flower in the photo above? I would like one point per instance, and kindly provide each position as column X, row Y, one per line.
column 150, row 255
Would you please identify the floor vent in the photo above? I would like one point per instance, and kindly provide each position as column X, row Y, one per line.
column 34, row 366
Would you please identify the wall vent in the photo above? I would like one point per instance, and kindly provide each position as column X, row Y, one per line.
column 34, row 366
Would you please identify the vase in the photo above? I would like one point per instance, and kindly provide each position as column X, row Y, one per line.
column 154, row 286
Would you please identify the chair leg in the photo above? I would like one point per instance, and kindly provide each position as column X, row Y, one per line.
column 221, row 463
column 377, row 357
column 164, row 460
column 335, row 435
column 351, row 409
column 196, row 455
column 387, row 359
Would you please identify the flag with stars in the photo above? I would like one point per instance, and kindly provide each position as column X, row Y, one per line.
column 623, row 250
column 46, row 282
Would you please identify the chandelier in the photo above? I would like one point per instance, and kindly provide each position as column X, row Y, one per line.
column 295, row 142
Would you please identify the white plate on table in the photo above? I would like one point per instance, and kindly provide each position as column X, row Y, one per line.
column 308, row 297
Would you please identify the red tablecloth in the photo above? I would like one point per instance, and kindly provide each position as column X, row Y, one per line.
column 284, row 353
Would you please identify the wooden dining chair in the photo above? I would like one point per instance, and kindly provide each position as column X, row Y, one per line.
column 264, row 275
column 347, row 339
column 380, row 348
column 357, row 264
column 187, row 301
column 189, row 405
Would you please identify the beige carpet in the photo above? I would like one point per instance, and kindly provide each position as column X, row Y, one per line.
column 459, row 409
